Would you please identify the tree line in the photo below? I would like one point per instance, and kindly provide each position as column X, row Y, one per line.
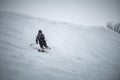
column 113, row 26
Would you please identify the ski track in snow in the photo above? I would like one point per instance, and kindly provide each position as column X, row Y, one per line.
column 77, row 52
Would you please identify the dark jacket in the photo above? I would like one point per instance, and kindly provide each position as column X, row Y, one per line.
column 41, row 38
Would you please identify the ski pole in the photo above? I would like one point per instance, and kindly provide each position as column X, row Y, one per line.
column 32, row 44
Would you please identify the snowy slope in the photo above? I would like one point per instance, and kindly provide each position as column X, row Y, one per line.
column 78, row 53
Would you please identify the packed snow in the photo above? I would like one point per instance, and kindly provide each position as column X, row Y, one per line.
column 77, row 52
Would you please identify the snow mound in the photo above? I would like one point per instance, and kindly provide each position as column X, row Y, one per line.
column 77, row 52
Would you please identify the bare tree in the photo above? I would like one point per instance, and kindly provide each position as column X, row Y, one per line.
column 115, row 26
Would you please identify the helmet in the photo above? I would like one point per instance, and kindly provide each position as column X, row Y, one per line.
column 40, row 31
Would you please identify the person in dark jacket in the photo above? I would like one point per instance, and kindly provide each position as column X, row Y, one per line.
column 41, row 39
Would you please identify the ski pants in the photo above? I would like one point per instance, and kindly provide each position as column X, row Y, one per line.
column 43, row 44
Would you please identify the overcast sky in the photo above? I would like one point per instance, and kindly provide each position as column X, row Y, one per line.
column 84, row 12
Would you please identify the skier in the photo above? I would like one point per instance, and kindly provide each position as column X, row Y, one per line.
column 41, row 39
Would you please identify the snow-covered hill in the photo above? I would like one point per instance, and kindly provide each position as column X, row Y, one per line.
column 78, row 53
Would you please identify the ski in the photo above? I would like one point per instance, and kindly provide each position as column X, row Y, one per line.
column 42, row 50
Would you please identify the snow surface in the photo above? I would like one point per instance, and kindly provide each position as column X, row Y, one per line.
column 78, row 52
